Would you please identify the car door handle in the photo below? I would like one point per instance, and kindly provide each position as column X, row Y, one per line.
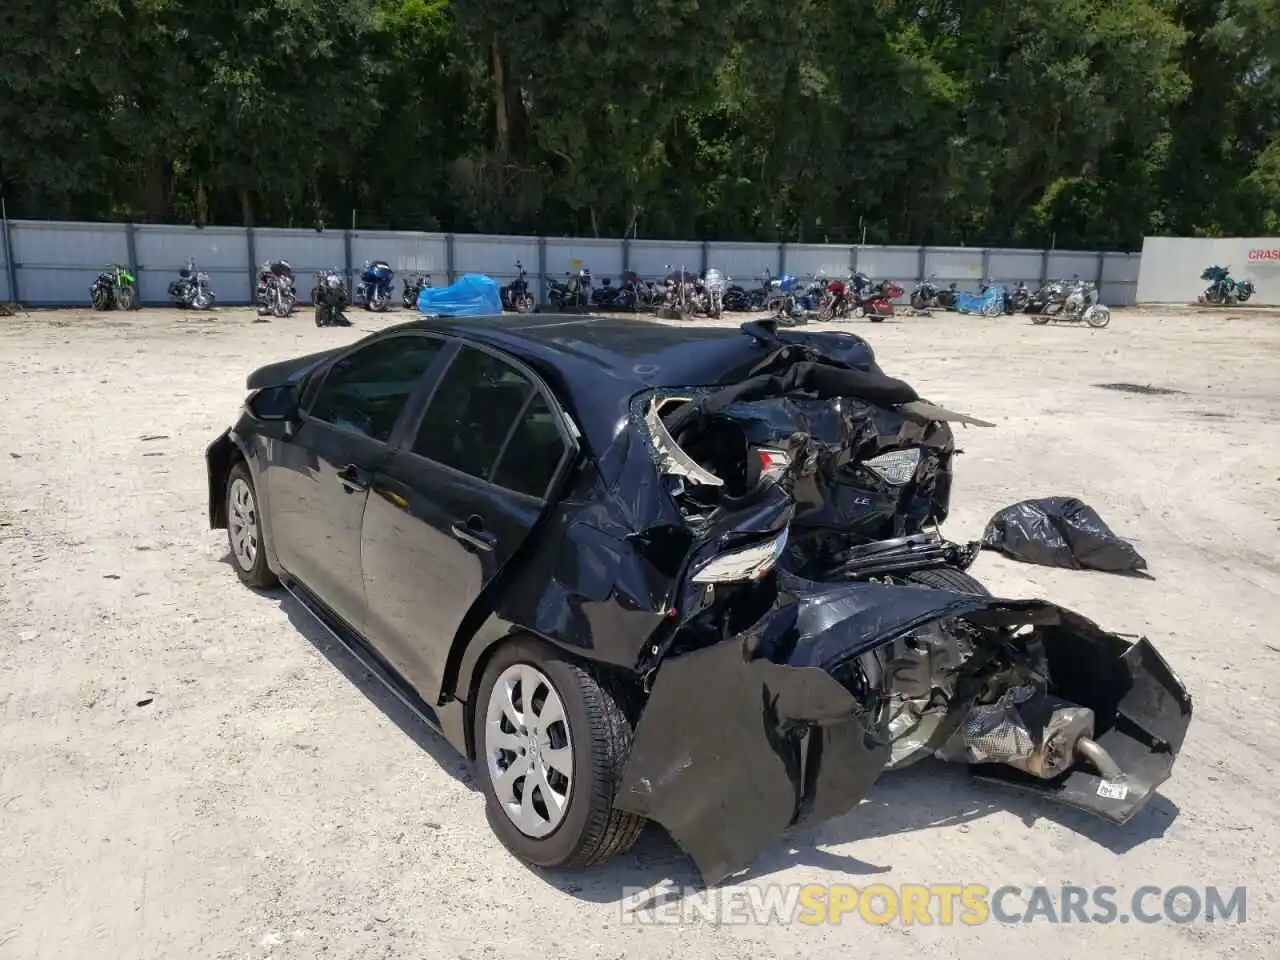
column 353, row 478
column 474, row 533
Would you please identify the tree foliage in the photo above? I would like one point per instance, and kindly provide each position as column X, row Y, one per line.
column 1084, row 123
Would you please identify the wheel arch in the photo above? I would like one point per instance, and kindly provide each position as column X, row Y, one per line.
column 470, row 655
column 219, row 457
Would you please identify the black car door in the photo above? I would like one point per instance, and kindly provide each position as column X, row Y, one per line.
column 318, row 478
column 452, row 505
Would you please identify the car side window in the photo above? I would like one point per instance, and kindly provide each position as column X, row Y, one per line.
column 488, row 420
column 528, row 462
column 365, row 391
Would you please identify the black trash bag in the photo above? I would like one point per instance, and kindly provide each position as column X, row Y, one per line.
column 1060, row 532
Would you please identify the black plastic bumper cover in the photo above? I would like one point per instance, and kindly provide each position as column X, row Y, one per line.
column 746, row 738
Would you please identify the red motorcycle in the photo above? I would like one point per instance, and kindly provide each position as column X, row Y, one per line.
column 836, row 301
column 876, row 303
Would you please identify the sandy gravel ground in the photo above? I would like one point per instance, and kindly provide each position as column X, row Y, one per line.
column 188, row 769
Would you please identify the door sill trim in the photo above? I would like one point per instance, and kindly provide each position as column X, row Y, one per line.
column 355, row 646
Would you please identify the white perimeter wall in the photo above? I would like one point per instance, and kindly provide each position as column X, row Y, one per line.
column 1171, row 267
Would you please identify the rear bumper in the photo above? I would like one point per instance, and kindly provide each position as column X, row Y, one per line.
column 777, row 726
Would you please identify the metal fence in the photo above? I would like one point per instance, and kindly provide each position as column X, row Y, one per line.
column 47, row 263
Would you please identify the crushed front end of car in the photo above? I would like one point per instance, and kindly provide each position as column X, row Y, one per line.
column 796, row 660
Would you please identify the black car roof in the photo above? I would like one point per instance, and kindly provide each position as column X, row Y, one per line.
column 625, row 347
column 597, row 363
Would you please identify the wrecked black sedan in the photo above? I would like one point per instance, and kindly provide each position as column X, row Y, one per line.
column 683, row 574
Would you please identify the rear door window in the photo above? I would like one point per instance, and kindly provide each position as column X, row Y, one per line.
column 488, row 420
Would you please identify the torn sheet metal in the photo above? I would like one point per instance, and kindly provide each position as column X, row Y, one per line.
column 748, row 736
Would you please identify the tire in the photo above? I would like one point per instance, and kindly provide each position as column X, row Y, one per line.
column 876, row 319
column 244, row 530
column 1098, row 318
column 320, row 315
column 599, row 736
column 1039, row 319
column 918, row 302
column 99, row 297
column 948, row 578
column 379, row 304
column 127, row 297
column 859, row 312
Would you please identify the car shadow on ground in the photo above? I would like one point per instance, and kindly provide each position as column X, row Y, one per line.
column 930, row 795
column 432, row 743
column 413, row 726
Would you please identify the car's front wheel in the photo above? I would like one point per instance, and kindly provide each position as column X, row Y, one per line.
column 244, row 530
column 551, row 740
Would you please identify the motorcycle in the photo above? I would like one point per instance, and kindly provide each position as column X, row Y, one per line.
column 989, row 301
column 874, row 302
column 1048, row 300
column 739, row 299
column 679, row 290
column 114, row 289
column 713, row 287
column 412, row 287
column 928, row 296
column 375, row 288
column 1223, row 290
column 277, row 294
column 808, row 294
column 515, row 295
column 648, row 295
column 1079, row 305
column 1018, row 298
column 191, row 289
column 837, row 302
column 573, row 293
column 778, row 294
column 608, row 297
column 329, row 296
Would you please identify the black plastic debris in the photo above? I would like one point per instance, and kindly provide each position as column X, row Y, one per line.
column 1060, row 532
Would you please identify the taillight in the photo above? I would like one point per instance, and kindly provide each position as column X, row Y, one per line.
column 773, row 463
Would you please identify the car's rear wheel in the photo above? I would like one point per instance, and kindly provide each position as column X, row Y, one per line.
column 551, row 741
column 948, row 578
column 244, row 530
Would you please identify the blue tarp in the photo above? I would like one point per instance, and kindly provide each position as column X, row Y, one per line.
column 992, row 298
column 471, row 295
